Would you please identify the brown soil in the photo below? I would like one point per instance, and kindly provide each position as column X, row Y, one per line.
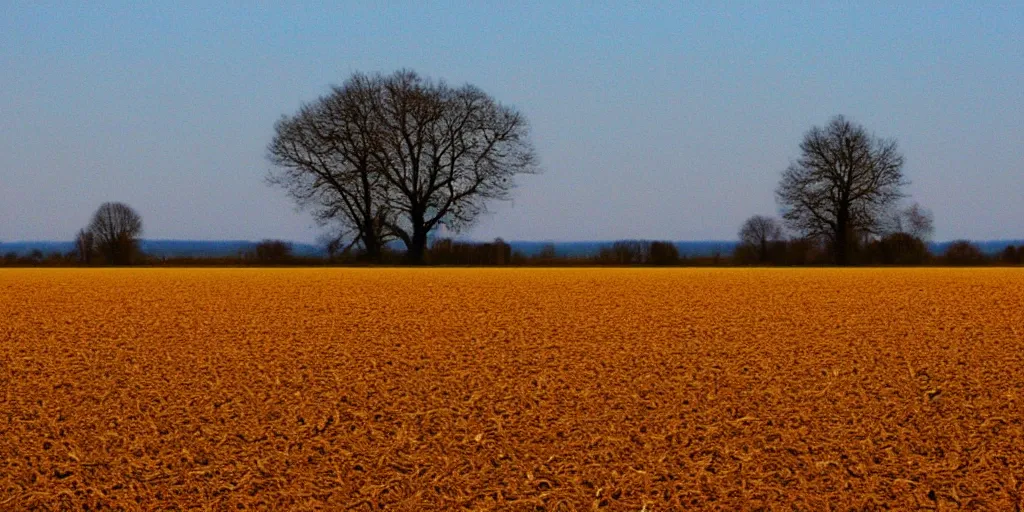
column 539, row 389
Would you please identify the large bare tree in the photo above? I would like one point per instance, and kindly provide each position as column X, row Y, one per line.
column 115, row 230
column 760, row 232
column 399, row 155
column 326, row 156
column 446, row 152
column 841, row 186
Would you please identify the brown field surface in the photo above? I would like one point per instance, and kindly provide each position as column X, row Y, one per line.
column 512, row 389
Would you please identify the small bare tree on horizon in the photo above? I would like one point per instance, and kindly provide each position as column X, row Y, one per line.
column 916, row 221
column 760, row 232
column 116, row 229
column 841, row 186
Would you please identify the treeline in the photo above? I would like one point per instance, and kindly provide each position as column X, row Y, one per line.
column 894, row 250
column 898, row 249
column 624, row 252
column 264, row 253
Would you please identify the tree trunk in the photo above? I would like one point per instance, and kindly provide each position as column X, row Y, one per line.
column 372, row 250
column 842, row 241
column 417, row 247
column 371, row 241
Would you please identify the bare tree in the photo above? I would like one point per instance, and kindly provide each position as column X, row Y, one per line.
column 903, row 237
column 85, row 246
column 115, row 229
column 446, row 152
column 333, row 245
column 914, row 220
column 840, row 187
column 625, row 252
column 398, row 156
column 326, row 156
column 920, row 223
column 760, row 232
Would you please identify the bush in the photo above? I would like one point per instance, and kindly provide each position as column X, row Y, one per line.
column 272, row 252
column 963, row 252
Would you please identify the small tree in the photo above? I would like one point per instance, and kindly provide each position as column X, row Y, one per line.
column 115, row 229
column 625, row 252
column 919, row 222
column 334, row 245
column 761, row 232
column 903, row 238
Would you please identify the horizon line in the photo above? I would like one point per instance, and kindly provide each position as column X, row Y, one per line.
column 474, row 240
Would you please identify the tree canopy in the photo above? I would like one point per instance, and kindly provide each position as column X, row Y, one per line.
column 397, row 156
column 842, row 186
column 115, row 230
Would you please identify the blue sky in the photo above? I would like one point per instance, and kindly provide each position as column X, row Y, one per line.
column 651, row 120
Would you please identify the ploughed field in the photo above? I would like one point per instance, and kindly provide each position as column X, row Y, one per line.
column 511, row 389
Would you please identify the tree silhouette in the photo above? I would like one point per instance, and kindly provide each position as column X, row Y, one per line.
column 841, row 186
column 400, row 155
column 116, row 229
column 327, row 156
column 446, row 152
column 760, row 232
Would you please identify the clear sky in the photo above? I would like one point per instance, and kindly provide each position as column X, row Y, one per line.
column 651, row 122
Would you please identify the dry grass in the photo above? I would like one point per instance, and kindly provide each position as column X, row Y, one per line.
column 568, row 389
